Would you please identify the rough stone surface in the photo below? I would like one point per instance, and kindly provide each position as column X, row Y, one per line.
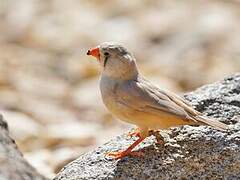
column 12, row 164
column 189, row 152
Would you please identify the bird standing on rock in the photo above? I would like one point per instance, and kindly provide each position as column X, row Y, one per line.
column 133, row 99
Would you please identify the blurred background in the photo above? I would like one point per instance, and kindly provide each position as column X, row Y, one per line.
column 49, row 91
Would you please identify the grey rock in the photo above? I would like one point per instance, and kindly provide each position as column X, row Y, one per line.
column 189, row 152
column 12, row 164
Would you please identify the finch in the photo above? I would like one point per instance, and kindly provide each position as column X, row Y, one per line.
column 134, row 99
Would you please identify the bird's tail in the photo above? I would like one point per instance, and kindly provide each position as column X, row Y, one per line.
column 212, row 122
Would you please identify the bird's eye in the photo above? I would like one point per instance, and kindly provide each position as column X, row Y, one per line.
column 106, row 54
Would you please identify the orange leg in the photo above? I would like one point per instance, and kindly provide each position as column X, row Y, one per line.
column 128, row 151
column 135, row 132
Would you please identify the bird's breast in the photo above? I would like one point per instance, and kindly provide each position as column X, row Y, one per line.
column 110, row 98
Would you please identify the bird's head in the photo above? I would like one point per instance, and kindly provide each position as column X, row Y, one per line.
column 115, row 60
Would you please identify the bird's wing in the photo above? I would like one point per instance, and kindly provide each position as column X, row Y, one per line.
column 181, row 102
column 141, row 95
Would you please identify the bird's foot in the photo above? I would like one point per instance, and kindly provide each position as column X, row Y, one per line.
column 122, row 154
column 135, row 132
column 158, row 136
column 128, row 151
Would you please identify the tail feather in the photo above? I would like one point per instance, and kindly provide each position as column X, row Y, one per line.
column 211, row 122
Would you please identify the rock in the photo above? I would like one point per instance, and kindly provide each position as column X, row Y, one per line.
column 12, row 163
column 189, row 152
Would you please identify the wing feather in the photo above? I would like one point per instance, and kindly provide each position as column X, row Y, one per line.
column 141, row 95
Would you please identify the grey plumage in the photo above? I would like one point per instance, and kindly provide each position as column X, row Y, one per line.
column 132, row 98
column 141, row 95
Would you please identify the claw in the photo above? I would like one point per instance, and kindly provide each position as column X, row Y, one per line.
column 117, row 155
column 122, row 154
column 158, row 136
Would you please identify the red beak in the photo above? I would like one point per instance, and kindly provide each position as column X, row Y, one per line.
column 94, row 52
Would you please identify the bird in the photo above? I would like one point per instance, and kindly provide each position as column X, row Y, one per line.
column 132, row 98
